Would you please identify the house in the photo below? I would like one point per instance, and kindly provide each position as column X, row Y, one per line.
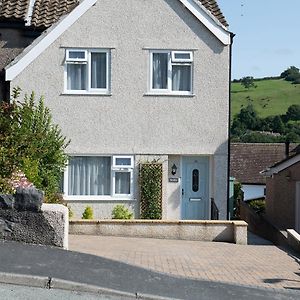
column 247, row 160
column 283, row 192
column 130, row 82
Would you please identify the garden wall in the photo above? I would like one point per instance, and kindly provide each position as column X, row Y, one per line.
column 220, row 231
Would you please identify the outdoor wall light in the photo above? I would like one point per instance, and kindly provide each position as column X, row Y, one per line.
column 174, row 169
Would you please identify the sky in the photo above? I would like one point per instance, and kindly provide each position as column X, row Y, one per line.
column 267, row 37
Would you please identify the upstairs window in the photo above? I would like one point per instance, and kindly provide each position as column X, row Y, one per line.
column 171, row 71
column 87, row 71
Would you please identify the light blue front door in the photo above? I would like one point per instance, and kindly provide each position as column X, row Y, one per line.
column 195, row 182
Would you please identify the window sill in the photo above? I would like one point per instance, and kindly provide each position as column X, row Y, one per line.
column 168, row 95
column 98, row 198
column 82, row 93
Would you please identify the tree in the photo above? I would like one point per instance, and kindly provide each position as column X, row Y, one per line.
column 293, row 112
column 291, row 74
column 248, row 82
column 278, row 125
column 31, row 143
column 248, row 116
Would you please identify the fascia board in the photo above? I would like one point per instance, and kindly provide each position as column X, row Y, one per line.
column 217, row 29
column 282, row 166
column 17, row 66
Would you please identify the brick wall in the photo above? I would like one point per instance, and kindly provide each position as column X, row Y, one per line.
column 280, row 198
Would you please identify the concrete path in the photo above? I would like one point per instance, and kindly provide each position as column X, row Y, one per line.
column 262, row 265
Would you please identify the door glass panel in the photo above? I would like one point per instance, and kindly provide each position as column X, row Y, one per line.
column 195, row 180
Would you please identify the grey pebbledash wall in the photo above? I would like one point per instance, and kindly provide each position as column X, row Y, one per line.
column 130, row 121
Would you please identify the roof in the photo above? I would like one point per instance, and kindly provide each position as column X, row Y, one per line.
column 213, row 7
column 44, row 12
column 8, row 54
column 282, row 165
column 247, row 160
column 47, row 12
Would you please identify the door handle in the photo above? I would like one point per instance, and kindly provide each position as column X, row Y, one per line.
column 182, row 192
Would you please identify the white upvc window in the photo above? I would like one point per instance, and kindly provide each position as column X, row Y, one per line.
column 99, row 177
column 87, row 71
column 171, row 72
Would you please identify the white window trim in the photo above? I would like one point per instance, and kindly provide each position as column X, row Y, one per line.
column 72, row 60
column 89, row 89
column 169, row 90
column 188, row 60
column 115, row 157
column 113, row 196
column 113, row 172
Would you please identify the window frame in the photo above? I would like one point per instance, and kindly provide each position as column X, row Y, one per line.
column 87, row 61
column 171, row 62
column 113, row 170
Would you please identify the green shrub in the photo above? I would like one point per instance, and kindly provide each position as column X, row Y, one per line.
column 71, row 213
column 258, row 205
column 56, row 198
column 88, row 213
column 31, row 143
column 121, row 212
column 151, row 190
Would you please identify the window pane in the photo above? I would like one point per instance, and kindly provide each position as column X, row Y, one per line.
column 123, row 161
column 122, row 183
column 195, row 180
column 89, row 175
column 182, row 56
column 181, row 78
column 98, row 69
column 77, row 54
column 76, row 76
column 160, row 71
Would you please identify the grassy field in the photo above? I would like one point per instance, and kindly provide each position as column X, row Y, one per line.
column 271, row 97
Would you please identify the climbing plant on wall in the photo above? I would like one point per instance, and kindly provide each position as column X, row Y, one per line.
column 151, row 190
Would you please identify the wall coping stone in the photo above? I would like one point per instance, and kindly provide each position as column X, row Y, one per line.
column 169, row 222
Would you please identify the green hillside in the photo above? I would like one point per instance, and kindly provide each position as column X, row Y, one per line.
column 270, row 97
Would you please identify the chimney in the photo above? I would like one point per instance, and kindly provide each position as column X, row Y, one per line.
column 287, row 149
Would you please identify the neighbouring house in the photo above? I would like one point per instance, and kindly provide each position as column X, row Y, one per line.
column 283, row 192
column 247, row 160
column 130, row 82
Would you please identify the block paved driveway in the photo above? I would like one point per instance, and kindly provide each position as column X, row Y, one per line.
column 263, row 265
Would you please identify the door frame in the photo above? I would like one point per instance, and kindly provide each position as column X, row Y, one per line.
column 209, row 182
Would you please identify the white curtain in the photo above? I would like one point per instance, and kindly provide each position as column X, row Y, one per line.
column 76, row 76
column 98, row 69
column 160, row 71
column 89, row 175
column 181, row 78
column 122, row 183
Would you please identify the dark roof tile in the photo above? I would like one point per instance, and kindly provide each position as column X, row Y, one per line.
column 213, row 7
column 47, row 12
column 247, row 160
column 13, row 9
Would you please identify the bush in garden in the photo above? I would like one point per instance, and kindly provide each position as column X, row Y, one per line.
column 258, row 205
column 88, row 213
column 30, row 144
column 121, row 212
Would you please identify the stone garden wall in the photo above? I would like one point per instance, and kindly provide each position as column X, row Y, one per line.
column 24, row 218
